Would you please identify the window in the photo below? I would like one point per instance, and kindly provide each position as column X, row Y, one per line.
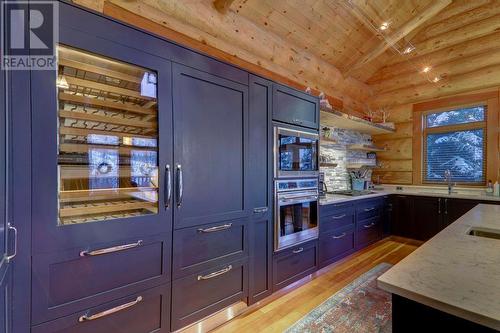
column 460, row 134
column 455, row 140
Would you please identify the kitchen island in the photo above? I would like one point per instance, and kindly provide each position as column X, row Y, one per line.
column 452, row 282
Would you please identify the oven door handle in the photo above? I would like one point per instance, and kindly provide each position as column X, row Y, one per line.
column 285, row 201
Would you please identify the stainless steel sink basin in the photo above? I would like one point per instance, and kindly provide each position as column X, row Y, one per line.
column 485, row 233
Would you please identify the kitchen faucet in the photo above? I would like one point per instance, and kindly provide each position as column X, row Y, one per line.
column 447, row 176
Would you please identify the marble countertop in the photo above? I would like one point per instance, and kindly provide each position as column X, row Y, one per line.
column 455, row 272
column 472, row 194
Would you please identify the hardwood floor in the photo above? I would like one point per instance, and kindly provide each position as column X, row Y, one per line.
column 284, row 308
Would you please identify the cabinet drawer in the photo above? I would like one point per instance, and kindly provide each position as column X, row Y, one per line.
column 340, row 218
column 334, row 209
column 368, row 209
column 295, row 107
column 294, row 263
column 335, row 245
column 143, row 312
column 202, row 247
column 368, row 231
column 70, row 281
column 199, row 295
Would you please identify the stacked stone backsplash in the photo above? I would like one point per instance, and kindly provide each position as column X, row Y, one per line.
column 337, row 178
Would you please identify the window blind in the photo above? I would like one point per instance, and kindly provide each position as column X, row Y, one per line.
column 455, row 140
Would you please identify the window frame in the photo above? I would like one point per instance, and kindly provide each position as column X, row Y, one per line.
column 490, row 126
column 454, row 128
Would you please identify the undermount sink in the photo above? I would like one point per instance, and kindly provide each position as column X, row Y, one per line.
column 485, row 233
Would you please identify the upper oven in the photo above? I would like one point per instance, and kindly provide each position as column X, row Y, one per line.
column 295, row 153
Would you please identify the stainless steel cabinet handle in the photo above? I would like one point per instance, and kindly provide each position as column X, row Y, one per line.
column 446, row 206
column 180, row 186
column 300, row 249
column 110, row 311
column 214, row 274
column 110, row 249
column 339, row 236
column 369, row 225
column 369, row 209
column 439, row 206
column 12, row 256
column 336, row 217
column 260, row 210
column 217, row 228
column 168, row 186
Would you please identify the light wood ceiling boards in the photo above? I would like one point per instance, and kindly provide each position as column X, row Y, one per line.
column 416, row 21
column 461, row 45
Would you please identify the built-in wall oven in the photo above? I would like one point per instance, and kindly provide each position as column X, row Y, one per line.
column 296, row 211
column 295, row 153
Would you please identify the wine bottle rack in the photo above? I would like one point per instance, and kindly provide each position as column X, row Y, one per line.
column 108, row 131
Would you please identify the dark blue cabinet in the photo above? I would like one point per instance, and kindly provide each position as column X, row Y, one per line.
column 100, row 172
column 260, row 189
column 210, row 148
column 102, row 151
column 6, row 237
column 144, row 312
column 291, row 265
column 295, row 107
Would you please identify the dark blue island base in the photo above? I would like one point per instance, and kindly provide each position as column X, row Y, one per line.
column 409, row 316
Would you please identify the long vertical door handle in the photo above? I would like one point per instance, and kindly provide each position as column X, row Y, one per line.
column 168, row 186
column 180, row 185
column 446, row 206
column 9, row 258
column 439, row 206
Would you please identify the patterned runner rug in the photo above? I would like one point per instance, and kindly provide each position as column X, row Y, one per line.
column 360, row 307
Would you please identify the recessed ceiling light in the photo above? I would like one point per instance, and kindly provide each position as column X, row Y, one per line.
column 436, row 79
column 384, row 26
column 426, row 69
column 409, row 49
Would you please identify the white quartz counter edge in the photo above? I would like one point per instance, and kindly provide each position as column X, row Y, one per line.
column 455, row 272
column 336, row 198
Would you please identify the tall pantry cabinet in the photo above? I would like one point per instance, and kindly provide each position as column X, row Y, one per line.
column 140, row 182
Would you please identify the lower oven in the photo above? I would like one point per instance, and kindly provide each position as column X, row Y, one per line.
column 296, row 212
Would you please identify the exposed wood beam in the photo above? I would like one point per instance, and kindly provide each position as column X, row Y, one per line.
column 430, row 11
column 463, row 50
column 487, row 77
column 222, row 6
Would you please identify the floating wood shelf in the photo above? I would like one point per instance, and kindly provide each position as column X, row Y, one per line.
column 334, row 118
column 328, row 165
column 360, row 165
column 327, row 141
column 365, row 148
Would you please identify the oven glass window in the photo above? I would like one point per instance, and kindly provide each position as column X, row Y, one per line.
column 297, row 154
column 297, row 218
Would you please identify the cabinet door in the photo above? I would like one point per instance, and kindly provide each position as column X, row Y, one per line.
column 295, row 107
column 102, row 144
column 427, row 217
column 387, row 217
column 453, row 209
column 261, row 224
column 210, row 140
column 402, row 219
column 5, row 263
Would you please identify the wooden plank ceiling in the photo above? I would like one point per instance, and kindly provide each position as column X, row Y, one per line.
column 339, row 46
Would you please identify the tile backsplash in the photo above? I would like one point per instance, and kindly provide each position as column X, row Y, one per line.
column 337, row 178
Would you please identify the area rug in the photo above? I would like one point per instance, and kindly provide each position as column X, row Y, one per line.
column 360, row 307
